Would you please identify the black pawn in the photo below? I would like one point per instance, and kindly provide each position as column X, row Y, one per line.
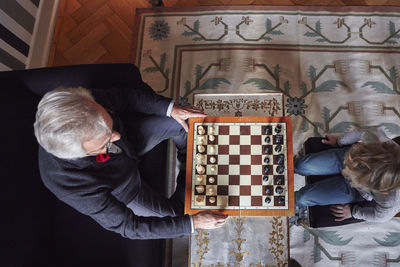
column 266, row 169
column 280, row 159
column 278, row 128
column 267, row 200
column 279, row 180
column 279, row 190
column 280, row 169
column 266, row 160
column 278, row 148
column 267, row 139
column 265, row 178
column 267, row 149
column 281, row 200
column 268, row 190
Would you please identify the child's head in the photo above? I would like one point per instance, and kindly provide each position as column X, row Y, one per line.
column 375, row 166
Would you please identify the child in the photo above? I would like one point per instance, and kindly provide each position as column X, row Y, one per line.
column 368, row 170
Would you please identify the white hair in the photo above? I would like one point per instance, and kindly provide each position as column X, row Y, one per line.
column 67, row 117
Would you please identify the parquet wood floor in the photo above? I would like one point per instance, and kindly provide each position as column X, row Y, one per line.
column 100, row 31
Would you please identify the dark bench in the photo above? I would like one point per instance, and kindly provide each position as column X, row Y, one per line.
column 37, row 229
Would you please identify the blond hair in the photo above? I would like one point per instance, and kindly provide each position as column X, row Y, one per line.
column 373, row 167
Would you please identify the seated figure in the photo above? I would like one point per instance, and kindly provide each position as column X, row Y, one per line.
column 363, row 164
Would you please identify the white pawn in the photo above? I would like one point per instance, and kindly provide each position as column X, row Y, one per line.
column 211, row 130
column 213, row 169
column 213, row 160
column 211, row 138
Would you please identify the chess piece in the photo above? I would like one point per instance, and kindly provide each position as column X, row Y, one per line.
column 211, row 130
column 213, row 160
column 278, row 148
column 213, row 168
column 200, row 169
column 265, row 178
column 280, row 159
column 266, row 169
column 278, row 128
column 201, row 139
column 211, row 200
column 200, row 158
column 200, row 189
column 267, row 149
column 267, row 130
column 201, row 130
column 279, row 180
column 268, row 190
column 211, row 180
column 267, row 200
column 199, row 178
column 280, row 169
column 211, row 138
column 212, row 149
column 279, row 190
column 211, row 191
column 266, row 160
column 199, row 198
column 281, row 200
column 279, row 139
column 267, row 139
column 201, row 148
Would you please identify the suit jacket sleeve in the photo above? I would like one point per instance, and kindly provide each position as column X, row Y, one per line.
column 139, row 98
column 113, row 215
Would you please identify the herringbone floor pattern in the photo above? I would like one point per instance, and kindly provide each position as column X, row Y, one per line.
column 100, row 31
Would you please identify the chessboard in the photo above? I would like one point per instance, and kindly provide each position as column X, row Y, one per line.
column 240, row 166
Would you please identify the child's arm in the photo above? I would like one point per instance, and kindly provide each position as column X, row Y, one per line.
column 387, row 206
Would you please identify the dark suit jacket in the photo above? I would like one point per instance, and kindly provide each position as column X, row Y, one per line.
column 102, row 190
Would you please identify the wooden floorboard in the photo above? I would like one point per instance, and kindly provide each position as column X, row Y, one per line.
column 100, row 31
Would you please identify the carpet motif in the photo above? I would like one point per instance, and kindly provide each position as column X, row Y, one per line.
column 337, row 68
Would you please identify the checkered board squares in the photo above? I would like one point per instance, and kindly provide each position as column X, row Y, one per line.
column 239, row 166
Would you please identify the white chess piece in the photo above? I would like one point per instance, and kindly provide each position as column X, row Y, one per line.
column 201, row 148
column 200, row 169
column 213, row 160
column 199, row 189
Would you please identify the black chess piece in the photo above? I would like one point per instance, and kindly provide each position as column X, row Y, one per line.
column 268, row 130
column 267, row 149
column 279, row 180
column 265, row 178
column 266, row 169
column 267, row 200
column 266, row 160
column 279, row 139
column 279, row 190
column 281, row 200
column 267, row 139
column 278, row 148
column 280, row 159
column 278, row 128
column 268, row 190
column 280, row 169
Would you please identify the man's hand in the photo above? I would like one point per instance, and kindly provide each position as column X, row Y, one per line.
column 208, row 220
column 330, row 140
column 182, row 113
column 341, row 212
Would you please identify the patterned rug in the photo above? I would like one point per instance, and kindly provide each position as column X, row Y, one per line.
column 336, row 67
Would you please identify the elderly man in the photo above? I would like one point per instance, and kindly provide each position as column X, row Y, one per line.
column 90, row 142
